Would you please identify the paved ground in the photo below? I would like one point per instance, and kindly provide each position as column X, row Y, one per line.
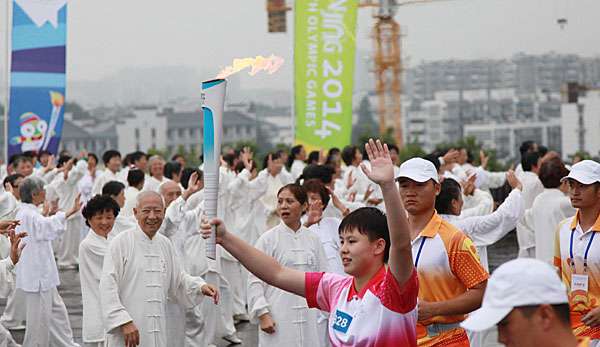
column 70, row 291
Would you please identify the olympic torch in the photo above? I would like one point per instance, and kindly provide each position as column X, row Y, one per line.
column 57, row 100
column 213, row 102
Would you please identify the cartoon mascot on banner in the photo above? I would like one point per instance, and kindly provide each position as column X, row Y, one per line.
column 33, row 129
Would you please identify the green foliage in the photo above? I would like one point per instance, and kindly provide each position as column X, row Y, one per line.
column 410, row 150
column 364, row 137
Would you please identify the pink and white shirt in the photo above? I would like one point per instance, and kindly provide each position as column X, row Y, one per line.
column 382, row 314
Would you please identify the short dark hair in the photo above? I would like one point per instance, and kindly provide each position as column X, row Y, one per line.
column 99, row 204
column 135, row 177
column 171, row 168
column 297, row 191
column 348, row 154
column 108, row 155
column 323, row 173
column 62, row 160
column 551, row 172
column 562, row 312
column 526, row 146
column 11, row 179
column 313, row 157
column 274, row 156
column 293, row 153
column 529, row 160
column 369, row 221
column 93, row 156
column 113, row 188
column 187, row 173
column 542, row 150
column 450, row 190
column 316, row 186
column 30, row 154
column 137, row 155
column 176, row 156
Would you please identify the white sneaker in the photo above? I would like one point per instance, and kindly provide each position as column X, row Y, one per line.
column 233, row 339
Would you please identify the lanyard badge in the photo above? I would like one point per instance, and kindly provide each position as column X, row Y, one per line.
column 579, row 283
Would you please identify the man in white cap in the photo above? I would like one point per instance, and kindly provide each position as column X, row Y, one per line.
column 576, row 252
column 451, row 277
column 527, row 301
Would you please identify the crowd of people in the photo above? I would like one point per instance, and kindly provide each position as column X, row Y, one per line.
column 347, row 247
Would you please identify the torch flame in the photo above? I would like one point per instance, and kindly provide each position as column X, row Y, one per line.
column 270, row 64
column 57, row 99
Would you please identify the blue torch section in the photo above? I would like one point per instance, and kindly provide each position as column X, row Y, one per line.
column 209, row 84
column 209, row 135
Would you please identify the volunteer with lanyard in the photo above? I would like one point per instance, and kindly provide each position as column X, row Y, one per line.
column 577, row 251
column 451, row 277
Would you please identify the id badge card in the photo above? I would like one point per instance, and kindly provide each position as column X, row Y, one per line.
column 579, row 283
column 342, row 321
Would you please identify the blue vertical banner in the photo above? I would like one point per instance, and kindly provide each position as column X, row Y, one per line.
column 37, row 75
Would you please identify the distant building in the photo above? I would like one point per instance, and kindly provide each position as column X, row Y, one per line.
column 580, row 120
column 143, row 129
column 506, row 138
column 185, row 130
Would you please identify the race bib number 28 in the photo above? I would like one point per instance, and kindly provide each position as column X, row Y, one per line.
column 342, row 321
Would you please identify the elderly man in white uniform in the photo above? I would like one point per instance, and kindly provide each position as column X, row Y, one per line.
column 37, row 274
column 140, row 271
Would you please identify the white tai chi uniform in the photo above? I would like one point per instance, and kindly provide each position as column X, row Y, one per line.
column 548, row 209
column 532, row 187
column 91, row 257
column 104, row 178
column 7, row 285
column 131, row 194
column 296, row 324
column 138, row 276
column 37, row 275
column 151, row 183
column 485, row 231
column 67, row 191
column 297, row 168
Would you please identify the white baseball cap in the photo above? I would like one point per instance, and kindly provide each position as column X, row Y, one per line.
column 519, row 282
column 418, row 169
column 584, row 172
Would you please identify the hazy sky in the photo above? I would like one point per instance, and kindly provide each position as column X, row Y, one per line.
column 107, row 35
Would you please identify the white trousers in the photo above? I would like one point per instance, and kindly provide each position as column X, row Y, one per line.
column 225, row 307
column 202, row 320
column 47, row 320
column 14, row 314
column 68, row 249
column 237, row 278
column 6, row 339
column 175, row 323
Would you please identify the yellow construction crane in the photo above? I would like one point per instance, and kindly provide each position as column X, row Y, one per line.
column 387, row 56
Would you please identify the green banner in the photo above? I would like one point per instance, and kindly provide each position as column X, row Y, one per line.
column 324, row 49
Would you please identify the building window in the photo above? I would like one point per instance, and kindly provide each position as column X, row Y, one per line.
column 153, row 131
column 137, row 133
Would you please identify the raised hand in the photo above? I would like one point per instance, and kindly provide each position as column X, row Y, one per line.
column 451, row 156
column 247, row 158
column 315, row 213
column 512, row 179
column 15, row 245
column 76, row 206
column 350, row 180
column 382, row 168
column 483, row 159
column 368, row 193
column 6, row 226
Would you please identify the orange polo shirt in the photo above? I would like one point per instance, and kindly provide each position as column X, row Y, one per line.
column 583, row 240
column 448, row 265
